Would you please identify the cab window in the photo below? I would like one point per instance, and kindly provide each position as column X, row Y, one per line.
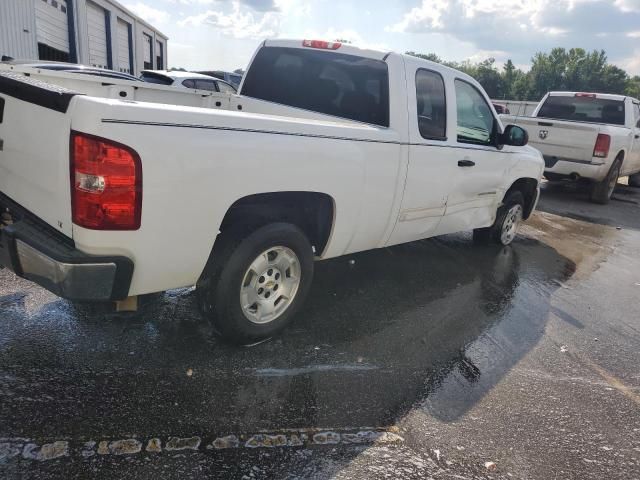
column 431, row 105
column 475, row 120
column 346, row 86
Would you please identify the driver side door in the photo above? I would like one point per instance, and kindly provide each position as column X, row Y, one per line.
column 635, row 146
column 481, row 167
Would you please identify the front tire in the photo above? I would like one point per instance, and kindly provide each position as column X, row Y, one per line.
column 508, row 219
column 257, row 283
column 601, row 191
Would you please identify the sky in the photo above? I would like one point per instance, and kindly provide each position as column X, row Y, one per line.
column 223, row 34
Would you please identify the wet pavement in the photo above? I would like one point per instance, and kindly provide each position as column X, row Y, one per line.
column 436, row 359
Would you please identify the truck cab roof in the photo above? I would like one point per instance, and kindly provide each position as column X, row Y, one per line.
column 604, row 96
column 350, row 49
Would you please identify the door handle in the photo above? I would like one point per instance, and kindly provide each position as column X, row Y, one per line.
column 637, row 136
column 466, row 163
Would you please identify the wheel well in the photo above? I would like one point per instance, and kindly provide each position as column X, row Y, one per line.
column 312, row 212
column 528, row 187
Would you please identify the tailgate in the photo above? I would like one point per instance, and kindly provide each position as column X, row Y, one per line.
column 34, row 147
column 561, row 139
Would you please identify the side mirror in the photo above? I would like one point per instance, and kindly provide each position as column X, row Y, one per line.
column 515, row 136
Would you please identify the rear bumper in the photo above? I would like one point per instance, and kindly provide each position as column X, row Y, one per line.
column 35, row 251
column 576, row 168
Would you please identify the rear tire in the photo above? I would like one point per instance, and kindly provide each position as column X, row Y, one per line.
column 601, row 191
column 504, row 229
column 257, row 282
column 634, row 180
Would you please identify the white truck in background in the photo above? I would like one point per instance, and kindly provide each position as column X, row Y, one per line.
column 329, row 149
column 592, row 136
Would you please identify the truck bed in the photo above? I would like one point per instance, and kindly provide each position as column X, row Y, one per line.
column 559, row 139
column 123, row 89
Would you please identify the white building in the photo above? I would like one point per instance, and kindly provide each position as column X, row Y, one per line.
column 101, row 33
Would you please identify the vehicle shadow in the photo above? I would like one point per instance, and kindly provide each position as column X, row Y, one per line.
column 571, row 199
column 431, row 325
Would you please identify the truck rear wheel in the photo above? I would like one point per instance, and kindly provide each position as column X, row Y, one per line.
column 508, row 219
column 256, row 283
column 634, row 180
column 601, row 191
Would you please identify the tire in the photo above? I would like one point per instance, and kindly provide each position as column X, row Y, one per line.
column 634, row 180
column 601, row 191
column 249, row 290
column 504, row 229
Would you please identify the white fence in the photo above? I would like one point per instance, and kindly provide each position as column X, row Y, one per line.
column 517, row 107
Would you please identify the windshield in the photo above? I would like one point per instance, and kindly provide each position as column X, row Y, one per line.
column 583, row 109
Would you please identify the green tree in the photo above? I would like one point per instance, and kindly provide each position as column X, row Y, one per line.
column 488, row 76
column 429, row 56
column 559, row 69
column 632, row 87
column 509, row 73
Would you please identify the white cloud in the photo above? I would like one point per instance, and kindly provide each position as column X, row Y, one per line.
column 191, row 2
column 628, row 5
column 249, row 18
column 631, row 64
column 149, row 14
column 239, row 23
column 524, row 27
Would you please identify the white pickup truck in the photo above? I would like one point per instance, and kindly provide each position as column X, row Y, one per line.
column 329, row 149
column 592, row 136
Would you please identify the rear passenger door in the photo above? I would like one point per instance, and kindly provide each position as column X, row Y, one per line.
column 432, row 166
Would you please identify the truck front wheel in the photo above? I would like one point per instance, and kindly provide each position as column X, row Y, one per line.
column 508, row 219
column 255, row 283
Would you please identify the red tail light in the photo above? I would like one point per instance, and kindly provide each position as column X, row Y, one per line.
column 106, row 184
column 588, row 95
column 601, row 149
column 321, row 44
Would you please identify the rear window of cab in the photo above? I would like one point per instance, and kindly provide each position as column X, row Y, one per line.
column 583, row 108
column 345, row 86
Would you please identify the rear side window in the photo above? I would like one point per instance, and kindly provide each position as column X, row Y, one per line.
column 583, row 109
column 206, row 85
column 189, row 83
column 345, row 86
column 431, row 105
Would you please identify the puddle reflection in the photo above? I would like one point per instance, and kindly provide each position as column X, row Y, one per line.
column 432, row 325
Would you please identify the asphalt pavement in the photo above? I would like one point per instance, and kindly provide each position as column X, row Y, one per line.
column 435, row 359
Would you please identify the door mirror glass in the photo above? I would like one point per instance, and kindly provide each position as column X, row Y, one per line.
column 515, row 136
